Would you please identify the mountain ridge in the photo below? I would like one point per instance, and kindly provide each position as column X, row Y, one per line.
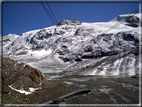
column 72, row 41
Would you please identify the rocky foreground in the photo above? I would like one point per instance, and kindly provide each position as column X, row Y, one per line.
column 18, row 79
column 104, row 89
column 21, row 78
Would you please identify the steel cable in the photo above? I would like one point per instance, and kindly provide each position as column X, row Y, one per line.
column 48, row 14
column 51, row 12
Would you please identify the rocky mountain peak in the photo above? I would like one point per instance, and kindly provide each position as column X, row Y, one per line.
column 68, row 21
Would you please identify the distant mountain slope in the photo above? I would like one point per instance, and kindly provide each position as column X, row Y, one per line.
column 71, row 42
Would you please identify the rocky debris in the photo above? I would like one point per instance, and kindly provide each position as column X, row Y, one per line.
column 49, row 91
column 21, row 76
column 103, row 89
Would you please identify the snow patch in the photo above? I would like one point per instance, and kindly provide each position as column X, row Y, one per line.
column 23, row 91
column 39, row 53
column 69, row 83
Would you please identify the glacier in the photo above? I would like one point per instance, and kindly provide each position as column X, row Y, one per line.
column 102, row 48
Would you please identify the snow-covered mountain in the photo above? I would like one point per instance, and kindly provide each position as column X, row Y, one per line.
column 103, row 48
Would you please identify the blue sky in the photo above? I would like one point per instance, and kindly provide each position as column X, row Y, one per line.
column 22, row 17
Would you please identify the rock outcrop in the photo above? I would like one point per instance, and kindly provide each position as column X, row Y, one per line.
column 21, row 76
column 68, row 21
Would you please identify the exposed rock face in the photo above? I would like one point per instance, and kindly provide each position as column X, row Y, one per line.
column 69, row 22
column 21, row 76
column 132, row 21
